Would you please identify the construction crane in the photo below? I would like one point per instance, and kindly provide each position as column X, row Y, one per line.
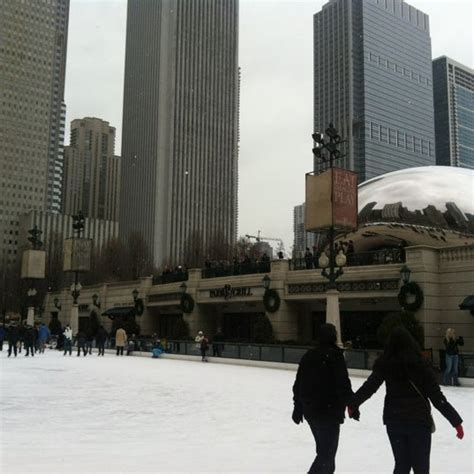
column 259, row 238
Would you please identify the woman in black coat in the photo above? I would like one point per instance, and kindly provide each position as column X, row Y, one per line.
column 410, row 386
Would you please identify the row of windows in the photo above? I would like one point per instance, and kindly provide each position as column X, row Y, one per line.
column 397, row 68
column 400, row 139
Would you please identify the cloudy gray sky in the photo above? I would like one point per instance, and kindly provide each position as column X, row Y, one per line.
column 276, row 90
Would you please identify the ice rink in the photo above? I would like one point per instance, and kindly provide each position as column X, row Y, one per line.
column 135, row 414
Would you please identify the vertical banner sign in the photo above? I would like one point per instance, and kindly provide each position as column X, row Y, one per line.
column 344, row 199
column 331, row 200
column 77, row 255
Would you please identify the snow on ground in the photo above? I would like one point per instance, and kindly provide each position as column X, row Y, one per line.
column 133, row 414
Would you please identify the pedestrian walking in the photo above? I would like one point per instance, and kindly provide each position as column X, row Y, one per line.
column 451, row 344
column 81, row 343
column 67, row 333
column 120, row 340
column 43, row 336
column 30, row 339
column 308, row 258
column 321, row 392
column 410, row 384
column 13, row 338
column 2, row 336
column 100, row 339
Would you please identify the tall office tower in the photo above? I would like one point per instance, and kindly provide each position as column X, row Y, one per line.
column 373, row 80
column 453, row 90
column 32, row 71
column 91, row 170
column 180, row 125
column 301, row 238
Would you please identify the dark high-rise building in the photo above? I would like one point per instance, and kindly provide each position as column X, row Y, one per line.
column 180, row 125
column 373, row 80
column 33, row 43
column 453, row 90
column 91, row 180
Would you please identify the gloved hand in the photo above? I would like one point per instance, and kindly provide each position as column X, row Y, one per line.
column 297, row 415
column 353, row 413
column 459, row 432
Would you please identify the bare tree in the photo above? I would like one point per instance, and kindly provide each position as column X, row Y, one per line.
column 194, row 250
column 139, row 259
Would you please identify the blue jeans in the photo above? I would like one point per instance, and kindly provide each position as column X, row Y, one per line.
column 451, row 372
column 326, row 436
column 411, row 446
column 67, row 346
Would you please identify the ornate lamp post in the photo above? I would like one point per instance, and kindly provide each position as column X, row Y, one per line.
column 327, row 152
column 33, row 266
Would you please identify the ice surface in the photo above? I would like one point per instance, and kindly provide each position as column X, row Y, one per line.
column 133, row 414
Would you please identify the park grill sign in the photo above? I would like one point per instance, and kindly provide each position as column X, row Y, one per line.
column 228, row 292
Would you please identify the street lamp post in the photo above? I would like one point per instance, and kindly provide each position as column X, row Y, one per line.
column 326, row 151
column 30, row 318
column 78, row 221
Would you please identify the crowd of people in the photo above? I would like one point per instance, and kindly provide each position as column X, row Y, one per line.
column 32, row 339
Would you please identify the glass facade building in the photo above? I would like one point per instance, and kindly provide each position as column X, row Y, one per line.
column 453, row 89
column 373, row 81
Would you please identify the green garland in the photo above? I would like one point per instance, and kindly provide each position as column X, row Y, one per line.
column 187, row 303
column 411, row 288
column 271, row 301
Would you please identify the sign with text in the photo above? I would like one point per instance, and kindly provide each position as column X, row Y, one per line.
column 229, row 292
column 33, row 264
column 77, row 255
column 331, row 200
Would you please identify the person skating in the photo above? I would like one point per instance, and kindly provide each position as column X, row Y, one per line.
column 30, row 340
column 321, row 392
column 81, row 343
column 43, row 336
column 451, row 344
column 120, row 340
column 132, row 345
column 100, row 339
column 203, row 346
column 13, row 338
column 67, row 333
column 410, row 384
column 2, row 336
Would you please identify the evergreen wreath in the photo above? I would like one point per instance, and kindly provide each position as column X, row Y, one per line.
column 411, row 288
column 271, row 300
column 187, row 303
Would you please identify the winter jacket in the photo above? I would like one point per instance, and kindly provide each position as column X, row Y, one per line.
column 101, row 335
column 120, row 337
column 2, row 334
column 403, row 404
column 30, row 336
column 81, row 338
column 13, row 335
column 43, row 333
column 452, row 345
column 322, row 387
column 204, row 343
column 68, row 333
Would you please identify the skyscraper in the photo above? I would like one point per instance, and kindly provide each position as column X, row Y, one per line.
column 373, row 80
column 91, row 170
column 32, row 58
column 453, row 90
column 180, row 125
column 301, row 238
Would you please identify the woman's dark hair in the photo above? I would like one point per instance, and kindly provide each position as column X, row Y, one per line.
column 402, row 355
column 327, row 334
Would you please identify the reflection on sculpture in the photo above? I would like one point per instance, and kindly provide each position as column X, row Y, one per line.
column 432, row 205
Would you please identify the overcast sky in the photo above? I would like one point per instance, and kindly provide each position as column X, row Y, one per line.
column 276, row 57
